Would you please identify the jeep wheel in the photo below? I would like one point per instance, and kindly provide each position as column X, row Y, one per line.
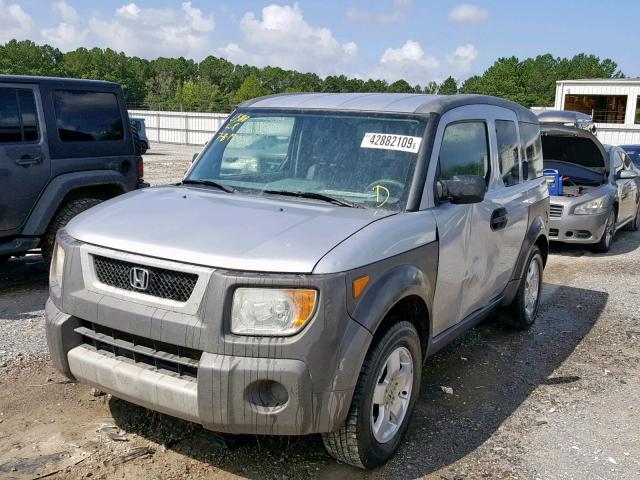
column 524, row 309
column 383, row 401
column 61, row 218
column 605, row 242
column 634, row 225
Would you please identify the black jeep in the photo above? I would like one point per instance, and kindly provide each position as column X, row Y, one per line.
column 65, row 146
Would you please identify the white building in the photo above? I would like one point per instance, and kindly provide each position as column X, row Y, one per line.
column 614, row 105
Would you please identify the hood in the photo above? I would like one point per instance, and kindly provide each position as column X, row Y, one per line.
column 231, row 231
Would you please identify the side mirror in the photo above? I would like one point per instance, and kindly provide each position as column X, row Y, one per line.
column 195, row 155
column 627, row 174
column 462, row 189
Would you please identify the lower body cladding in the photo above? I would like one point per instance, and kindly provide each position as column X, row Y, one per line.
column 577, row 228
column 224, row 393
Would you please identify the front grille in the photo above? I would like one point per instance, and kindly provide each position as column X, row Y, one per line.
column 166, row 357
column 163, row 283
column 555, row 210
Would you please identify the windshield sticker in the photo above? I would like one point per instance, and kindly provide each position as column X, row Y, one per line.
column 387, row 141
column 229, row 130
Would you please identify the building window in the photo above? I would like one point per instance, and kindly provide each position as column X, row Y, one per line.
column 603, row 108
column 637, row 110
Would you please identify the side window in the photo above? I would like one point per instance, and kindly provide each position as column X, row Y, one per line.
column 626, row 160
column 83, row 116
column 10, row 131
column 18, row 117
column 532, row 159
column 619, row 160
column 464, row 150
column 29, row 115
column 508, row 146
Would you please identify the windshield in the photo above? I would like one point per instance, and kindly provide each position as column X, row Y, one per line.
column 363, row 160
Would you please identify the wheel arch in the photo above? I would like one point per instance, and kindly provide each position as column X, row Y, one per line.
column 102, row 184
column 404, row 292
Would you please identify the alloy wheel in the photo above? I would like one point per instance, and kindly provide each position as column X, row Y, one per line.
column 392, row 394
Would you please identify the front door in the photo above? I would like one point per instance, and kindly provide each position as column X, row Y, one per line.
column 24, row 156
column 479, row 243
column 628, row 189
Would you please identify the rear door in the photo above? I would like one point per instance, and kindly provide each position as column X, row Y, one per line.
column 24, row 156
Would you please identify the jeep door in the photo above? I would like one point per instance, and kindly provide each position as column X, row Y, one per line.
column 24, row 155
column 479, row 243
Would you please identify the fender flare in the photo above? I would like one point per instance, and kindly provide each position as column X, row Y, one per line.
column 390, row 288
column 58, row 188
column 537, row 230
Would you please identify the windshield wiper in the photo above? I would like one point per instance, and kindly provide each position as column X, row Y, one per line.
column 314, row 196
column 209, row 183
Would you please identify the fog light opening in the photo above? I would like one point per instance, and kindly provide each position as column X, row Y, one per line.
column 267, row 395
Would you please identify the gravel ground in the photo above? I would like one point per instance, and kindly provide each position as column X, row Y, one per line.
column 556, row 402
column 167, row 163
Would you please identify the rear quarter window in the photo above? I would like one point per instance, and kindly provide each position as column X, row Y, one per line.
column 531, row 150
column 85, row 116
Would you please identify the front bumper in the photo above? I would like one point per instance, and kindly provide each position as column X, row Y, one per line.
column 230, row 393
column 181, row 359
column 580, row 229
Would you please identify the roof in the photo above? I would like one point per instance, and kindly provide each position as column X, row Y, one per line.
column 53, row 80
column 384, row 102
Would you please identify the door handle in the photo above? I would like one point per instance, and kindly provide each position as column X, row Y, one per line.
column 28, row 160
column 498, row 219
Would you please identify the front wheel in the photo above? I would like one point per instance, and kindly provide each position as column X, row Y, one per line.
column 524, row 309
column 382, row 403
column 60, row 220
column 606, row 240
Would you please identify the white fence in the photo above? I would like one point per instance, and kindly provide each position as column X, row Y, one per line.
column 180, row 127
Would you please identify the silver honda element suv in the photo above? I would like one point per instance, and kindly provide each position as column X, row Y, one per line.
column 319, row 249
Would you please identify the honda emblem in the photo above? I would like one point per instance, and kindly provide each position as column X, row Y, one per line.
column 139, row 278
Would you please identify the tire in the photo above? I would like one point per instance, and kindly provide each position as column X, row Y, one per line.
column 61, row 218
column 355, row 443
column 143, row 148
column 634, row 225
column 604, row 245
column 522, row 312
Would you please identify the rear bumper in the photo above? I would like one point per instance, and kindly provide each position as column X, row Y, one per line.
column 580, row 229
column 233, row 394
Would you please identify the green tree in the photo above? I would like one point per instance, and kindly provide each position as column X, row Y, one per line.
column 27, row 58
column 448, row 87
column 200, row 96
column 250, row 88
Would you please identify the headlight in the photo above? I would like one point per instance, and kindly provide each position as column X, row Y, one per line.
column 271, row 311
column 592, row 207
column 57, row 265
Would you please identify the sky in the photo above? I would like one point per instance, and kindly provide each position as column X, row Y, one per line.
column 418, row 40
